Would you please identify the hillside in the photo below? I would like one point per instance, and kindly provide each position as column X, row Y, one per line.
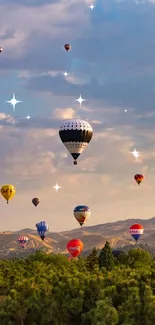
column 116, row 233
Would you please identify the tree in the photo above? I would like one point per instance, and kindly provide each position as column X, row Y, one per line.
column 103, row 314
column 106, row 258
column 92, row 260
column 138, row 256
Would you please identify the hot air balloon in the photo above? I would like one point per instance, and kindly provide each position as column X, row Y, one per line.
column 75, row 247
column 42, row 227
column 81, row 214
column 139, row 178
column 35, row 201
column 22, row 240
column 75, row 135
column 8, row 191
column 136, row 231
column 67, row 47
column 1, row 50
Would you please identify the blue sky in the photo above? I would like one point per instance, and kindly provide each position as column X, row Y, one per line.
column 112, row 65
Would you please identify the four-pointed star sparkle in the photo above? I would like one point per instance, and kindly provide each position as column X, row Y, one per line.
column 66, row 74
column 80, row 100
column 28, row 117
column 135, row 153
column 91, row 6
column 13, row 102
column 57, row 187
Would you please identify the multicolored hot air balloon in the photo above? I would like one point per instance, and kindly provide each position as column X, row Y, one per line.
column 8, row 192
column 136, row 231
column 75, row 135
column 35, row 201
column 67, row 47
column 81, row 214
column 23, row 240
column 42, row 227
column 75, row 247
column 139, row 178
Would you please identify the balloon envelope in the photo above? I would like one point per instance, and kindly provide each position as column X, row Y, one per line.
column 136, row 231
column 23, row 240
column 81, row 214
column 67, row 47
column 75, row 135
column 75, row 247
column 35, row 201
column 139, row 178
column 8, row 191
column 42, row 227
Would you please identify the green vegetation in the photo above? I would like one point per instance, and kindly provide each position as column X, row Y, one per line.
column 99, row 289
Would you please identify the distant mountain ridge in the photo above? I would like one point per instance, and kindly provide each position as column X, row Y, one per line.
column 116, row 233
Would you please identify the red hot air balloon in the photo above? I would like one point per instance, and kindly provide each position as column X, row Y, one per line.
column 67, row 47
column 75, row 247
column 23, row 240
column 139, row 178
column 136, row 231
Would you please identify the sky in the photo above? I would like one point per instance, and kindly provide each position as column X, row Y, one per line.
column 112, row 65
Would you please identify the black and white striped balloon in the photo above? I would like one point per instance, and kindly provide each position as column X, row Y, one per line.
column 75, row 135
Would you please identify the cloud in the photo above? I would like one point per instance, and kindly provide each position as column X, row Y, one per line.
column 67, row 113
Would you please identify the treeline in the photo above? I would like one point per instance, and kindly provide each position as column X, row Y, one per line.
column 100, row 289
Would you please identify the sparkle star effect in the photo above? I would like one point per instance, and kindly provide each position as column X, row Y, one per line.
column 91, row 6
column 28, row 117
column 80, row 100
column 57, row 187
column 13, row 102
column 66, row 74
column 135, row 153
column 125, row 110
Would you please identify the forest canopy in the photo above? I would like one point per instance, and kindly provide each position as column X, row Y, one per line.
column 100, row 289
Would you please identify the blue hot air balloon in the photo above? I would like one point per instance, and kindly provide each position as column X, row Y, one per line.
column 42, row 227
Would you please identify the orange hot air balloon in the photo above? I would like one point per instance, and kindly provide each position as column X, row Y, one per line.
column 75, row 247
column 67, row 47
column 139, row 178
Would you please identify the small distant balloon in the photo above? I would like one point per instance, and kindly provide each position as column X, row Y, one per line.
column 23, row 240
column 1, row 50
column 67, row 47
column 81, row 214
column 35, row 201
column 42, row 228
column 8, row 192
column 139, row 178
column 136, row 231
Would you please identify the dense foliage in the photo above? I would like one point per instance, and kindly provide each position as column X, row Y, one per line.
column 48, row 289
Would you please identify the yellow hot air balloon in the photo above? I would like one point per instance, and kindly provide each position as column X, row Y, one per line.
column 8, row 191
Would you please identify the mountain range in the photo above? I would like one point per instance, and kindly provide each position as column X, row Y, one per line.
column 116, row 233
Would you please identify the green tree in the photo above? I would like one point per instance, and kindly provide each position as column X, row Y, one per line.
column 138, row 257
column 103, row 314
column 106, row 258
column 92, row 260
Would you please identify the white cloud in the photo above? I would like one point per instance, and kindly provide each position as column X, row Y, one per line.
column 65, row 113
